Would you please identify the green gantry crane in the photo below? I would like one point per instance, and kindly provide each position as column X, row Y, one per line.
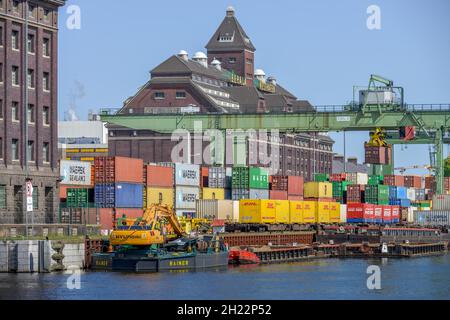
column 431, row 120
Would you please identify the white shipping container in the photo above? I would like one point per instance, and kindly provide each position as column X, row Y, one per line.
column 75, row 173
column 411, row 211
column 362, row 178
column 187, row 174
column 257, row 194
column 343, row 217
column 235, row 211
column 432, row 218
column 441, row 202
column 185, row 197
column 411, row 194
column 376, row 97
column 215, row 209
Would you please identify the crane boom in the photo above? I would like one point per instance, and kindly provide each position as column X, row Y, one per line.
column 380, row 79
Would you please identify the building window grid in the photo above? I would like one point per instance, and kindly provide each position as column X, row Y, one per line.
column 46, row 116
column 46, row 152
column 15, row 111
column 30, row 116
column 46, row 47
column 15, row 76
column 30, row 44
column 30, row 151
column 30, row 79
column 15, row 150
column 15, row 44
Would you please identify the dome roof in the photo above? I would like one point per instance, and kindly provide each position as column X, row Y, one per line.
column 199, row 55
column 215, row 62
column 182, row 53
column 259, row 72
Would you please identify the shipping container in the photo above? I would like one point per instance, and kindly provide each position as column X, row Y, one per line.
column 187, row 175
column 411, row 194
column 337, row 177
column 259, row 194
column 278, row 195
column 395, row 214
column 323, row 212
column 240, row 194
column 309, row 212
column 413, row 181
column 75, row 173
column 433, row 218
column 213, row 194
column 295, row 198
column 216, row 209
column 375, row 179
column 257, row 211
column 318, row 190
column 400, row 202
column 259, row 178
column 377, row 194
column 159, row 176
column 394, row 180
column 377, row 214
column 186, row 213
column 355, row 193
column 441, row 202
column 217, row 178
column 163, row 196
column 118, row 169
column 360, row 213
column 335, row 213
column 119, row 195
column 343, row 213
column 204, row 177
column 79, row 197
column 240, row 178
column 296, row 212
column 282, row 211
column 185, row 197
column 356, row 178
column 387, row 214
column 321, row 177
column 377, row 155
column 292, row 184
column 430, row 183
column 380, row 169
column 397, row 193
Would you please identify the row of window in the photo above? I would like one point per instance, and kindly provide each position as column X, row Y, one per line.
column 31, row 9
column 161, row 95
column 3, row 197
column 31, row 78
column 210, row 81
column 31, row 152
column 31, row 111
column 31, row 43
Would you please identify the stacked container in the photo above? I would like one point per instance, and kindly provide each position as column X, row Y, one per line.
column 216, row 186
column 378, row 155
column 321, row 177
column 286, row 188
column 250, row 183
column 355, row 193
column 377, row 194
column 357, row 178
column 318, row 190
column 394, row 180
column 398, row 196
column 187, row 188
column 375, row 179
column 413, row 182
column 159, row 185
column 339, row 191
column 218, row 209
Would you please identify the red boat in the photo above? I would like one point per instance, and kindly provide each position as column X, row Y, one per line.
column 242, row 257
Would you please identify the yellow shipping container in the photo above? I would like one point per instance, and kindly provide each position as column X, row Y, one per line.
column 282, row 211
column 335, row 212
column 309, row 212
column 160, row 196
column 323, row 212
column 213, row 194
column 296, row 212
column 318, row 190
column 257, row 211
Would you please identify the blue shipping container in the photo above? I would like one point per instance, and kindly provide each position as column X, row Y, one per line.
column 397, row 193
column 129, row 195
column 400, row 202
column 119, row 195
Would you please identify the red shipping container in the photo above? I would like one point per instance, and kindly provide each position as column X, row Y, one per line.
column 354, row 193
column 413, row 182
column 394, row 180
column 337, row 177
column 378, row 213
column 387, row 214
column 108, row 219
column 280, row 183
column 395, row 213
column 295, row 185
column 430, row 183
column 278, row 195
column 375, row 155
column 361, row 211
column 118, row 169
column 158, row 176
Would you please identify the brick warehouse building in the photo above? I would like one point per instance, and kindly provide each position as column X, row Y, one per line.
column 28, row 32
column 223, row 80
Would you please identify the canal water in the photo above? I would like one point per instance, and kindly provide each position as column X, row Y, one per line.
column 417, row 278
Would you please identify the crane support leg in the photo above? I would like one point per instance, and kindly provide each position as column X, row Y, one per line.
column 439, row 160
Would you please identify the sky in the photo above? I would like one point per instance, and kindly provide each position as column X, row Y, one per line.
column 317, row 49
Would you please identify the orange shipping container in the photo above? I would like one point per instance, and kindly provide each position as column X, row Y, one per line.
column 158, row 176
column 118, row 169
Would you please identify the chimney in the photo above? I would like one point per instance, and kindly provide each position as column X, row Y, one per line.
column 201, row 58
column 338, row 157
column 216, row 64
column 183, row 55
column 230, row 12
column 353, row 160
column 272, row 80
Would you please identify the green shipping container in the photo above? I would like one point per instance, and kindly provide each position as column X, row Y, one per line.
column 339, row 188
column 376, row 180
column 321, row 177
column 240, row 178
column 77, row 198
column 377, row 194
column 380, row 169
column 259, row 178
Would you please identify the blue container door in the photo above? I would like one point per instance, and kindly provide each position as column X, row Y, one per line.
column 128, row 195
